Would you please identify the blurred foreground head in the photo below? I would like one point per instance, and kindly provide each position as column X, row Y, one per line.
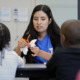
column 4, row 36
column 70, row 34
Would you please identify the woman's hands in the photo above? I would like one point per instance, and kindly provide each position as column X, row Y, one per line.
column 35, row 50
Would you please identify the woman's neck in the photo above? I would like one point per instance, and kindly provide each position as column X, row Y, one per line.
column 42, row 36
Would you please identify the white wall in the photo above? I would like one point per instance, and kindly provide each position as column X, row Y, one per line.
column 62, row 10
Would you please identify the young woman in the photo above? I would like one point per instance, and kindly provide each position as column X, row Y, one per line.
column 42, row 27
column 9, row 60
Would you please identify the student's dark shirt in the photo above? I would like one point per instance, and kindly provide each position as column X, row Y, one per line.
column 65, row 63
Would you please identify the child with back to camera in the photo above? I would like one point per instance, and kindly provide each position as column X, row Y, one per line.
column 65, row 63
column 9, row 60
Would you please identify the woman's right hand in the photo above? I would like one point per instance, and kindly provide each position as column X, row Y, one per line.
column 22, row 43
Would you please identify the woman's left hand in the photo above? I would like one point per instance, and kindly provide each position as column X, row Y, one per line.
column 35, row 50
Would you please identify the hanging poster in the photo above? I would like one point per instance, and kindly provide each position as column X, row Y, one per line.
column 5, row 14
column 22, row 15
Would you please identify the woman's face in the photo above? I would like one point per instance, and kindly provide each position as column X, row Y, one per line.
column 41, row 21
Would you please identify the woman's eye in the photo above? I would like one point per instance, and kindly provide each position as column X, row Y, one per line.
column 43, row 19
column 35, row 19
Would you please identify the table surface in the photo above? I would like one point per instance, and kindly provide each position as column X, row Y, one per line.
column 34, row 70
column 35, row 66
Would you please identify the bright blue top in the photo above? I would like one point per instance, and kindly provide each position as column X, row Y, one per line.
column 44, row 45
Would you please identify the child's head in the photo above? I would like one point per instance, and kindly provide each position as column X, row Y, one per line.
column 70, row 33
column 4, row 36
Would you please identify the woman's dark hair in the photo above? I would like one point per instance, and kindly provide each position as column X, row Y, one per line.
column 4, row 36
column 53, row 28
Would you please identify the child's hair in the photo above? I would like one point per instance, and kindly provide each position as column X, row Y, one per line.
column 4, row 39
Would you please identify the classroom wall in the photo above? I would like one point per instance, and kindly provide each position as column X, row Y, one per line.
column 62, row 10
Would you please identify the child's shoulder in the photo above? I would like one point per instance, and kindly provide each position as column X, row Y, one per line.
column 11, row 52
